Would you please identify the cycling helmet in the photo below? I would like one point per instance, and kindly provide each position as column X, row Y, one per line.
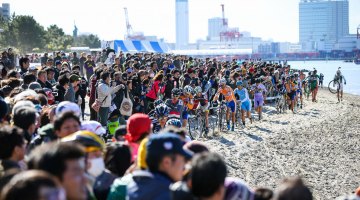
column 162, row 110
column 88, row 139
column 174, row 122
column 296, row 74
column 239, row 83
column 188, row 89
column 222, row 81
column 198, row 89
column 159, row 101
column 176, row 92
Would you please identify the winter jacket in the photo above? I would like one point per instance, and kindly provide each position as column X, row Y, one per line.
column 154, row 186
column 70, row 94
column 155, row 89
column 105, row 91
column 60, row 93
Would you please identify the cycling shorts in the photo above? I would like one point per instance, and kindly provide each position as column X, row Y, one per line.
column 292, row 95
column 246, row 106
column 231, row 105
column 299, row 91
column 258, row 102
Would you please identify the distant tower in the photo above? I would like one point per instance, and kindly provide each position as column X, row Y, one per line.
column 182, row 24
column 5, row 9
column 75, row 31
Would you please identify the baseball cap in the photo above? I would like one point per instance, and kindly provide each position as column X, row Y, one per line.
column 137, row 125
column 67, row 106
column 238, row 83
column 165, row 143
column 58, row 62
column 74, row 77
column 93, row 126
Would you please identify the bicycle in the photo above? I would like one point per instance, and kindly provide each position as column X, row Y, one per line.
column 238, row 115
column 221, row 116
column 334, row 86
column 196, row 125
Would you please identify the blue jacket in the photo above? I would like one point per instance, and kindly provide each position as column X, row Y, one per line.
column 149, row 186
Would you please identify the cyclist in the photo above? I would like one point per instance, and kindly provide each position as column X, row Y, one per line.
column 188, row 101
column 291, row 91
column 321, row 80
column 229, row 96
column 258, row 89
column 162, row 113
column 341, row 79
column 176, row 105
column 314, row 83
column 201, row 103
column 243, row 95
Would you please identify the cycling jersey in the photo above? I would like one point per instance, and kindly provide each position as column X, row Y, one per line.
column 243, row 94
column 188, row 101
column 259, row 90
column 227, row 92
column 290, row 87
column 201, row 102
column 176, row 108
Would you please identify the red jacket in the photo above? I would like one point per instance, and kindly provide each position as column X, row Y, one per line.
column 155, row 89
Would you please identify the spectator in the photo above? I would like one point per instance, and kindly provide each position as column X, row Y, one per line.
column 12, row 148
column 25, row 117
column 27, row 79
column 293, row 189
column 73, row 87
column 89, row 66
column 117, row 158
column 61, row 87
column 66, row 161
column 42, row 79
column 166, row 159
column 33, row 185
column 105, row 92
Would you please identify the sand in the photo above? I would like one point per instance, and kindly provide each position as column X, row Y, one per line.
column 320, row 143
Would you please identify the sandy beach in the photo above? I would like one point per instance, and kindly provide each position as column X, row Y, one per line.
column 320, row 143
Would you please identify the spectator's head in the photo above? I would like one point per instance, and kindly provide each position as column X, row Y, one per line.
column 24, row 63
column 203, row 185
column 13, row 74
column 33, row 185
column 105, row 76
column 117, row 158
column 138, row 127
column 165, row 154
column 94, row 147
column 67, row 106
column 50, row 72
column 25, row 118
column 64, row 81
column 120, row 132
column 75, row 79
column 34, row 86
column 29, row 78
column 66, row 161
column 41, row 75
column 66, row 123
column 12, row 144
column 293, row 189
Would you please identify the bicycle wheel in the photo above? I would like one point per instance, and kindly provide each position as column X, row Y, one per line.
column 220, row 119
column 195, row 127
column 334, row 86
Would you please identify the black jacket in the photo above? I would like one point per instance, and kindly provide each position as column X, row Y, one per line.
column 60, row 93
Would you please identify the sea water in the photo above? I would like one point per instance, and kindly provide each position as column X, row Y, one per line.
column 350, row 70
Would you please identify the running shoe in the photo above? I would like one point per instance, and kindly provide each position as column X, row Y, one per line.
column 228, row 125
column 232, row 128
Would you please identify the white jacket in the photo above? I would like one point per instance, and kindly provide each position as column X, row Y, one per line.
column 104, row 90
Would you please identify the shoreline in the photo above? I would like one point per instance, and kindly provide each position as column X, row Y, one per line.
column 319, row 143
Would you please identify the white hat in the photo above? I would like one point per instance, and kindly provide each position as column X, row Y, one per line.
column 66, row 106
column 93, row 126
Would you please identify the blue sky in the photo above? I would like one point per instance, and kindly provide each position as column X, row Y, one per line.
column 269, row 19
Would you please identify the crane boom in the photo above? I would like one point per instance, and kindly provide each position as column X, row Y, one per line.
column 128, row 25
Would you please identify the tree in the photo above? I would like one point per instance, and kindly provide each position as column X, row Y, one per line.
column 91, row 41
column 24, row 33
column 56, row 39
